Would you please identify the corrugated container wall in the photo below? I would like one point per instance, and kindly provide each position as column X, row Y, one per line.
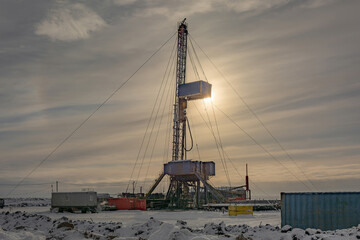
column 74, row 199
column 195, row 90
column 320, row 210
column 183, row 167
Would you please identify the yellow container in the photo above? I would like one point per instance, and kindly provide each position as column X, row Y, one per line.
column 232, row 208
column 240, row 210
column 232, row 213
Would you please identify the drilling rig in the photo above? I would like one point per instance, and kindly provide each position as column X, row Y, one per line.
column 189, row 186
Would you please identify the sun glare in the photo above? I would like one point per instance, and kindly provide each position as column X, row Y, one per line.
column 209, row 99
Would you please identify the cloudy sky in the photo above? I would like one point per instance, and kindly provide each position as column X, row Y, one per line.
column 295, row 63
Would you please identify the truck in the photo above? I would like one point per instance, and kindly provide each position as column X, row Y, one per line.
column 74, row 201
column 2, row 203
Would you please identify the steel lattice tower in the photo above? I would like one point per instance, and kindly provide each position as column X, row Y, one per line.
column 179, row 124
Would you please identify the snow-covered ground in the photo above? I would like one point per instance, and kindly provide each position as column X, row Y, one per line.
column 39, row 223
column 27, row 202
column 192, row 217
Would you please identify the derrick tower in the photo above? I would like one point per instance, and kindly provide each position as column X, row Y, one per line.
column 179, row 123
column 189, row 185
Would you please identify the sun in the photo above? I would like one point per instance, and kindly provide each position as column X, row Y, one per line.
column 209, row 99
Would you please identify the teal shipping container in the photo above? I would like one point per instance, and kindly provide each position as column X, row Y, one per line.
column 320, row 210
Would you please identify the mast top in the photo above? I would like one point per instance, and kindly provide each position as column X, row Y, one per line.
column 183, row 24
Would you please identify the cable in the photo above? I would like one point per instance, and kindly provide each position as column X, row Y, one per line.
column 193, row 65
column 262, row 147
column 156, row 115
column 222, row 157
column 197, row 58
column 191, row 137
column 162, row 113
column 218, row 132
column 137, row 158
column 83, row 122
column 168, row 133
column 225, row 154
column 216, row 142
column 166, row 182
column 253, row 113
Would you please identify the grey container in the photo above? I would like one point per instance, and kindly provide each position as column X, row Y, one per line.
column 320, row 210
column 195, row 90
column 183, row 167
column 74, row 201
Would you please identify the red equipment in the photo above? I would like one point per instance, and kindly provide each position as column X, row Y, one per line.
column 128, row 203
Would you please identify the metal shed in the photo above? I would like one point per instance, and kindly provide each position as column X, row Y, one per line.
column 70, row 201
column 321, row 210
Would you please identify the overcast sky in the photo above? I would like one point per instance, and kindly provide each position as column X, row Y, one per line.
column 295, row 63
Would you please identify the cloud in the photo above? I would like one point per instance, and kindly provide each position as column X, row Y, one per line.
column 174, row 10
column 316, row 3
column 252, row 5
column 259, row 5
column 182, row 8
column 124, row 2
column 185, row 9
column 69, row 22
column 154, row 11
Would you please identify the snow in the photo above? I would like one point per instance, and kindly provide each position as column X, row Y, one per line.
column 39, row 223
column 27, row 202
column 286, row 228
column 192, row 217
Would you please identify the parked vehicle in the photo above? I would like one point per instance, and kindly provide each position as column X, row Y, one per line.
column 2, row 203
